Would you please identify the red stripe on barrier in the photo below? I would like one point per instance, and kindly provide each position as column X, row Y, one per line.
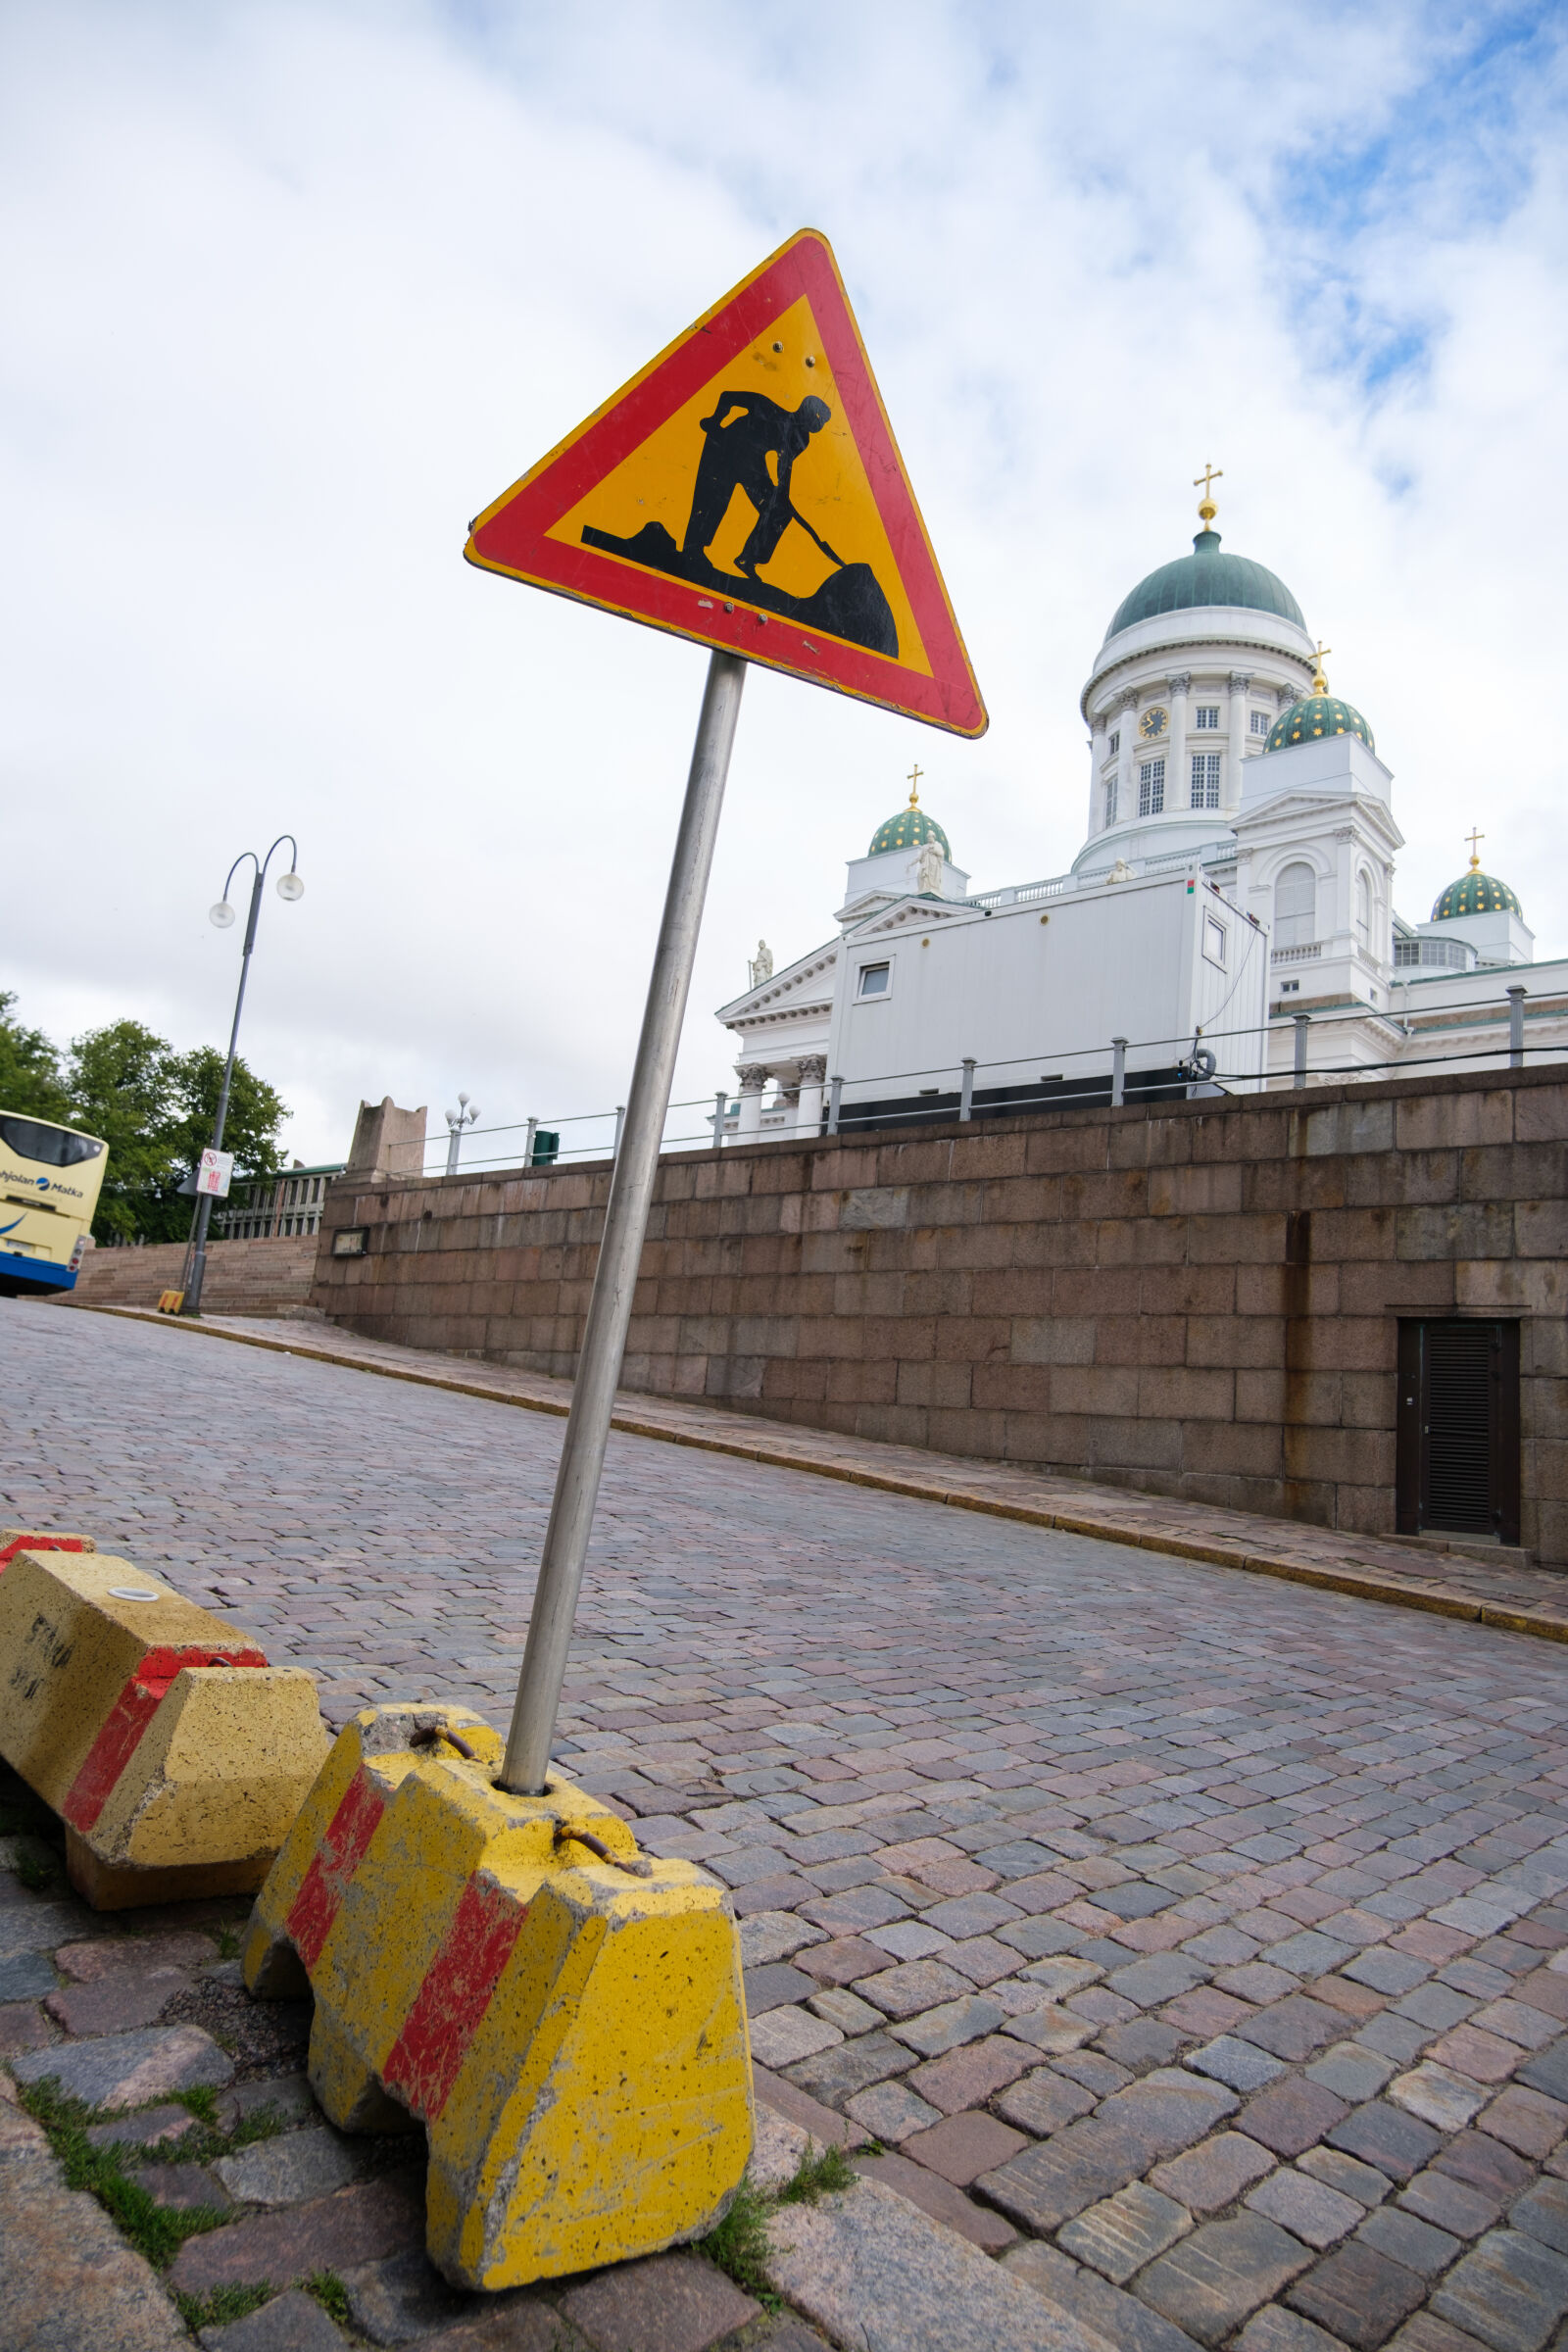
column 456, row 1993
column 127, row 1719
column 332, row 1867
column 37, row 1543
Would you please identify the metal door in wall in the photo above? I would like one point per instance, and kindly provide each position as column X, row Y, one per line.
column 1458, row 1429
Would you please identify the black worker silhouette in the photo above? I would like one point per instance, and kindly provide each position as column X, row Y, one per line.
column 745, row 431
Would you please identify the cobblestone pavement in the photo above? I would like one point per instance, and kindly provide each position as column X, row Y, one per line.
column 1485, row 1582
column 1190, row 1943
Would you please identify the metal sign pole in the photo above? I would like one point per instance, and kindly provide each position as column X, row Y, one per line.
column 631, row 1190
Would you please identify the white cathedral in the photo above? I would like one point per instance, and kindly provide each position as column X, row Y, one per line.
column 1228, row 924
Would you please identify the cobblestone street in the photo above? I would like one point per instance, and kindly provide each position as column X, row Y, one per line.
column 1188, row 1943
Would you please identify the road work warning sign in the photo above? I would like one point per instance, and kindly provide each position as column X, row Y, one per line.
column 745, row 491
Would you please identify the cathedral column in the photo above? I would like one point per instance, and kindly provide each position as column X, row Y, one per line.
column 1241, row 684
column 1126, row 790
column 1099, row 725
column 752, row 1080
column 1178, row 791
column 808, row 1119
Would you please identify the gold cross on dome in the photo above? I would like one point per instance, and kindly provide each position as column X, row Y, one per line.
column 1475, row 861
column 916, row 773
column 1205, row 481
column 1320, row 684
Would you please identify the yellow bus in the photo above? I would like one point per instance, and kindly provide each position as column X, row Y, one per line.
column 50, row 1178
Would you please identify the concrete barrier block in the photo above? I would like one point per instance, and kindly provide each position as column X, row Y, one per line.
column 39, row 1538
column 175, row 1754
column 561, row 2014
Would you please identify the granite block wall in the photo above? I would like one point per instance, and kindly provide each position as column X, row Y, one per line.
column 1198, row 1299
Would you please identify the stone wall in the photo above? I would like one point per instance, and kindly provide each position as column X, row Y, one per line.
column 1198, row 1299
column 243, row 1277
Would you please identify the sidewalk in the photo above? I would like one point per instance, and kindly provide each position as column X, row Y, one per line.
column 1412, row 1574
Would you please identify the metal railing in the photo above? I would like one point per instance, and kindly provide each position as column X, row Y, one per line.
column 273, row 1207
column 1117, row 1072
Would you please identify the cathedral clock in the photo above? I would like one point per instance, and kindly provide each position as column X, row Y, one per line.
column 1151, row 724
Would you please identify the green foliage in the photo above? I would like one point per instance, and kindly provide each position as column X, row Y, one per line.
column 121, row 1080
column 31, row 1078
column 739, row 2245
column 331, row 2294
column 153, row 1109
column 34, row 1873
column 817, row 2177
column 156, row 2232
column 201, row 2102
column 221, row 2306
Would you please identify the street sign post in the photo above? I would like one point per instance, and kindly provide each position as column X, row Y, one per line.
column 744, row 491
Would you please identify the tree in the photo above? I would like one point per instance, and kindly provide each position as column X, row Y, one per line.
column 155, row 1110
column 30, row 1079
column 122, row 1081
column 153, row 1107
column 251, row 1127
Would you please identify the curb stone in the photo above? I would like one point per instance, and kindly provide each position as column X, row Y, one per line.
column 871, row 2271
column 67, row 2280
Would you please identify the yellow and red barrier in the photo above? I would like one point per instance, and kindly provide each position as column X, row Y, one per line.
column 176, row 1755
column 562, row 2014
column 39, row 1538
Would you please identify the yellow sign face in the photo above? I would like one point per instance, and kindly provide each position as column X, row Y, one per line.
column 829, row 499
column 746, row 490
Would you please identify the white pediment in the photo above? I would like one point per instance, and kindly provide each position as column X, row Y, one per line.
column 803, row 988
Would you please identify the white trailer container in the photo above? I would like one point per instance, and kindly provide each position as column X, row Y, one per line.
column 1034, row 993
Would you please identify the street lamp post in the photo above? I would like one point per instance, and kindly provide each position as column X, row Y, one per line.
column 463, row 1116
column 289, row 886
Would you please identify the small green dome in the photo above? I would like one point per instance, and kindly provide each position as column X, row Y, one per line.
column 1476, row 893
column 1318, row 714
column 907, row 831
column 1206, row 577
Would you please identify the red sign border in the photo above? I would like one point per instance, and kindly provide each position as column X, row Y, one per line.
column 511, row 535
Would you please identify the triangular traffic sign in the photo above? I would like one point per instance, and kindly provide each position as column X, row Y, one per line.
column 744, row 490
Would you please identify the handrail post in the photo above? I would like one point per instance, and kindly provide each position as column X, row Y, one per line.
column 720, row 1113
column 1516, row 1027
column 966, row 1090
column 620, row 1121
column 1118, row 1072
column 835, row 1095
column 1301, row 1021
column 527, row 1143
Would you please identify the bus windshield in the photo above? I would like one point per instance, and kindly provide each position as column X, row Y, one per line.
column 52, row 1147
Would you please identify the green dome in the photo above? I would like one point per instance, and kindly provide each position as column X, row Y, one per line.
column 1476, row 893
column 907, row 831
column 1318, row 714
column 1206, row 577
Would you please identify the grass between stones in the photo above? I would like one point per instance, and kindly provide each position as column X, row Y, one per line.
column 157, row 2231
column 331, row 2294
column 739, row 2245
column 221, row 2306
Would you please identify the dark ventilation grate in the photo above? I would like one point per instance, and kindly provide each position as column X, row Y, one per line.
column 1458, row 1416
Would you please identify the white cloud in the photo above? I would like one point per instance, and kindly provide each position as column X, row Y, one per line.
column 292, row 291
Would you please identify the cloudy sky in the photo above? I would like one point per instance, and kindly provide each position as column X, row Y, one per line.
column 291, row 291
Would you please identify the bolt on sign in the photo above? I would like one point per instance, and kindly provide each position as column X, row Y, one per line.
column 744, row 490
